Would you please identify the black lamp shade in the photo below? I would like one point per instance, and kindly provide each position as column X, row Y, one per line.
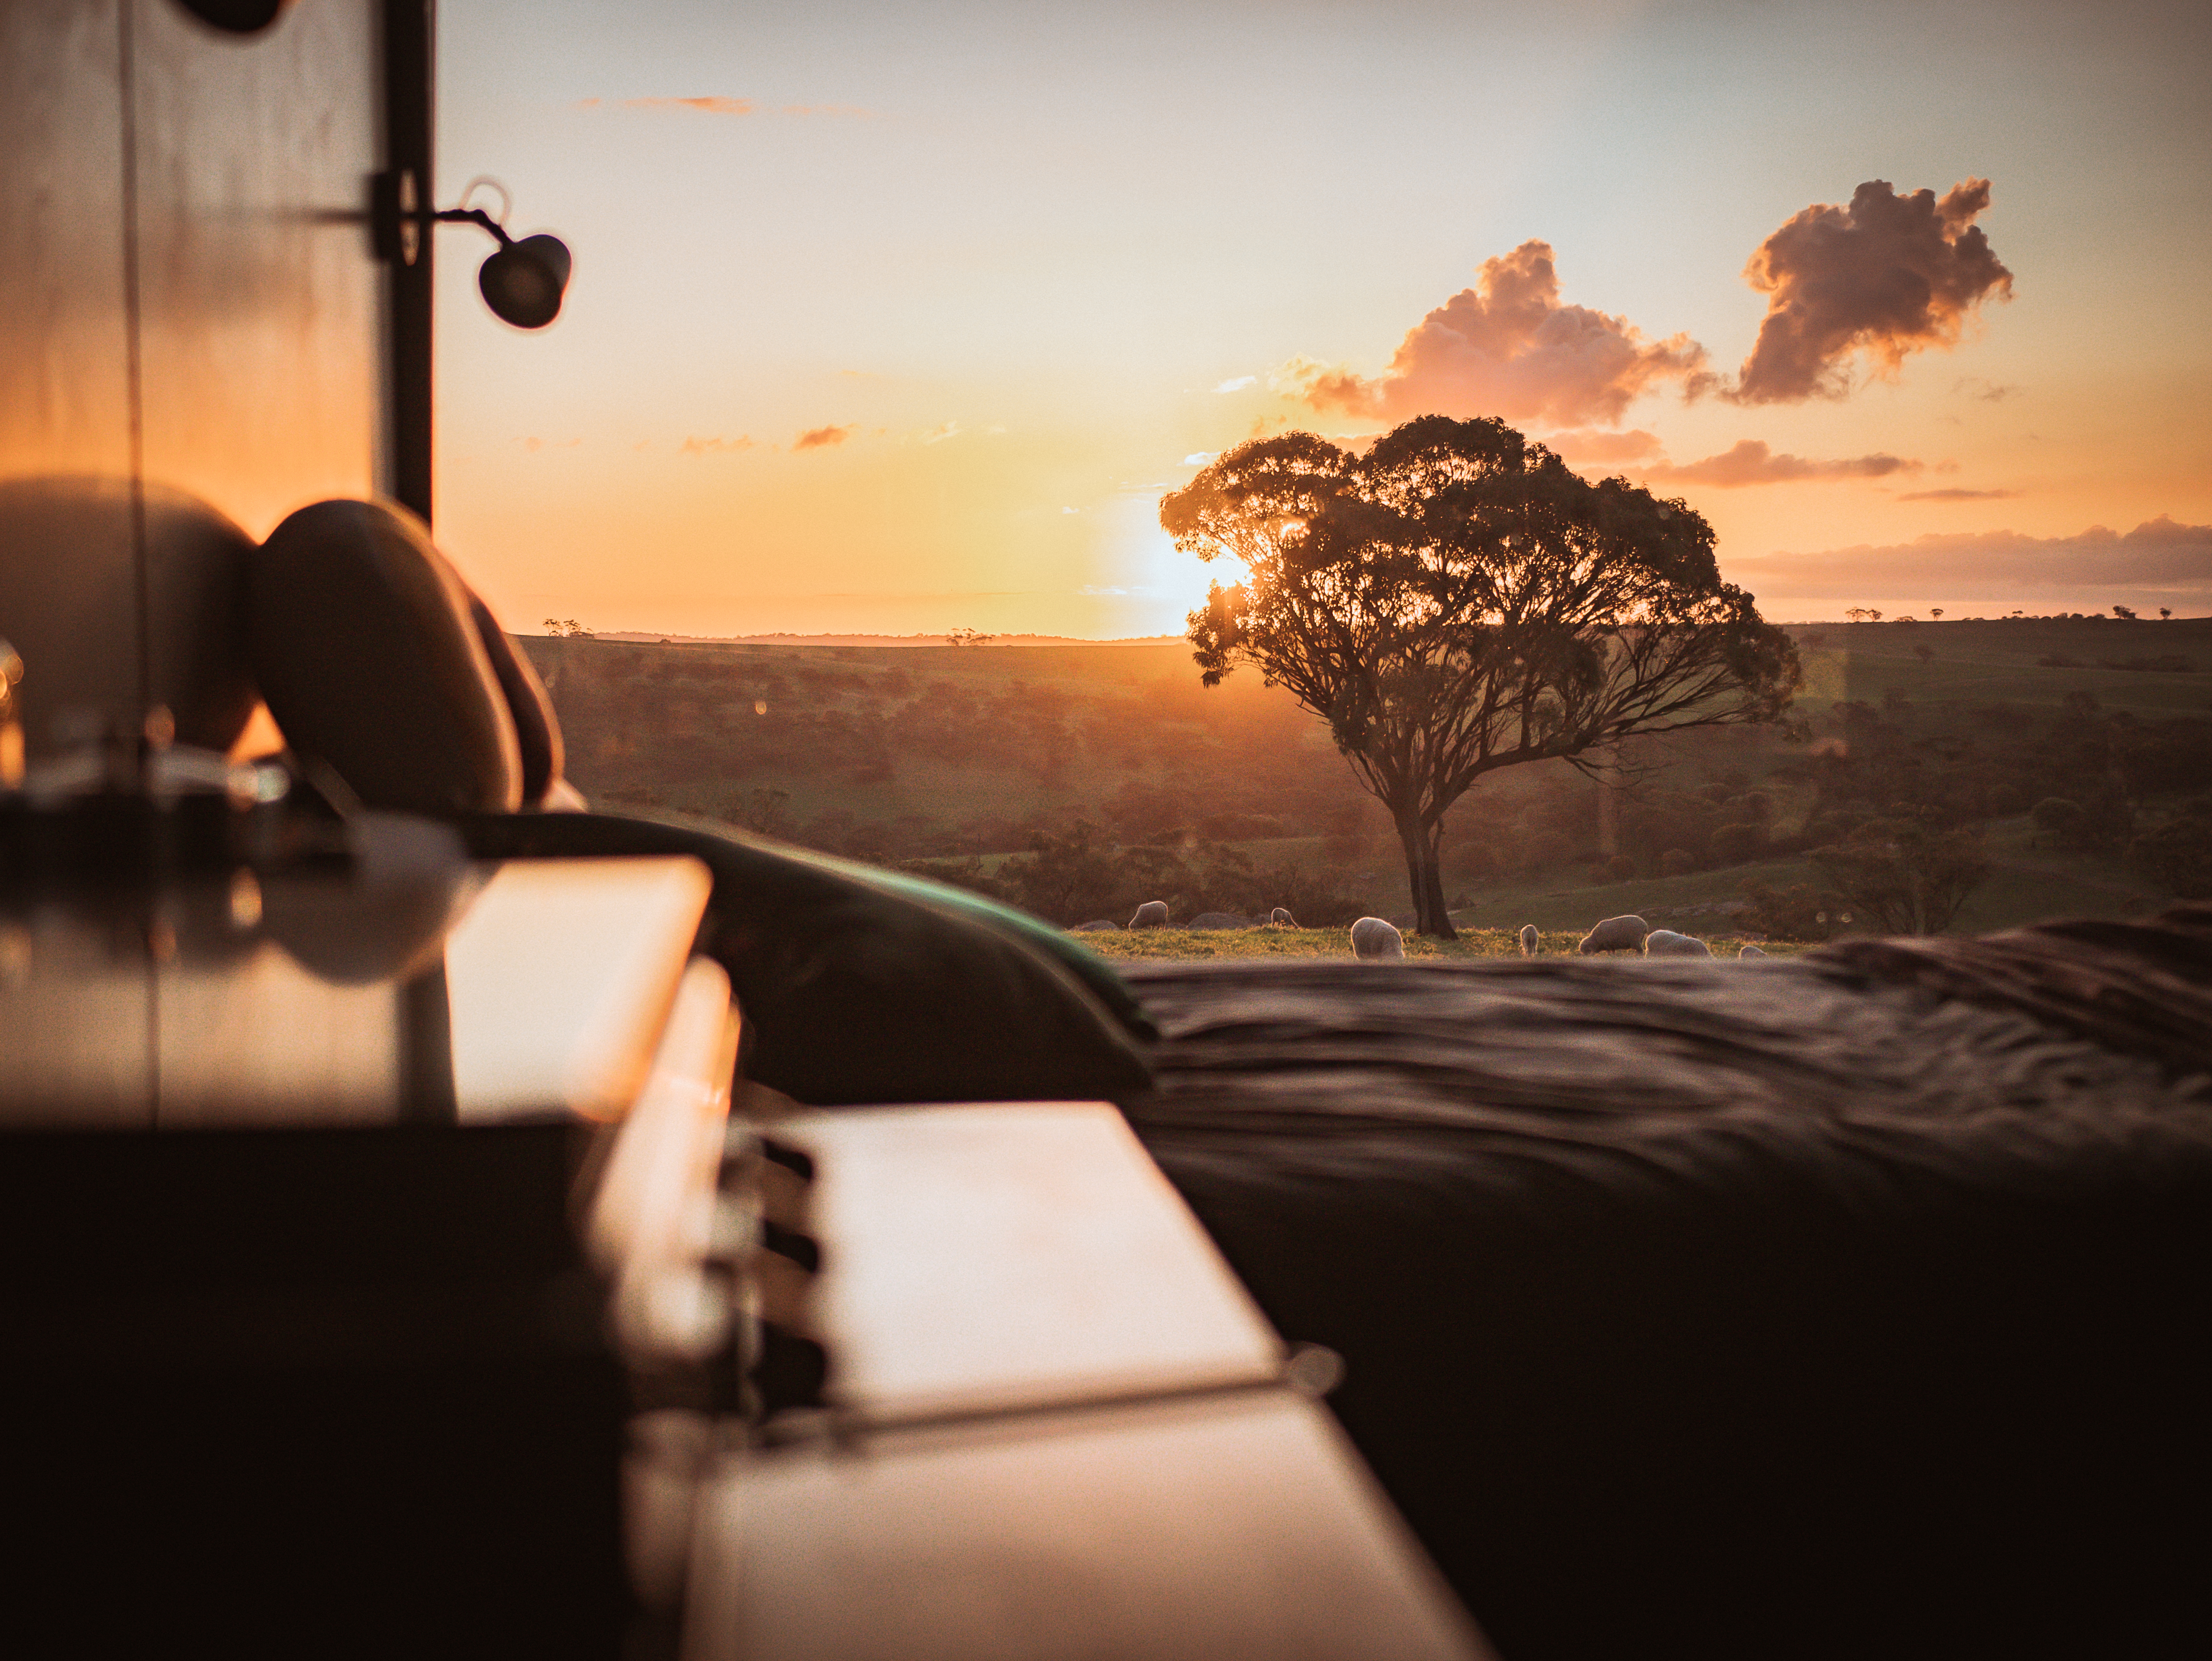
column 239, row 16
column 522, row 283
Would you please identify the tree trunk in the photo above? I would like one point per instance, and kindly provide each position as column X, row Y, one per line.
column 1424, row 875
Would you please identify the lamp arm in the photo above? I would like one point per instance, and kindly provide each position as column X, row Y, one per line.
column 396, row 221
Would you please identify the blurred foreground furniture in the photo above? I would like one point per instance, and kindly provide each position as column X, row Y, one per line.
column 385, row 1276
column 1053, row 1425
column 311, row 1348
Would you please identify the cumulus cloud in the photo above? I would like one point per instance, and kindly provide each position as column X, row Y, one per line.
column 1885, row 276
column 1595, row 444
column 1749, row 461
column 699, row 447
column 1958, row 495
column 1237, row 383
column 2158, row 556
column 1509, row 347
column 1198, row 458
column 821, row 438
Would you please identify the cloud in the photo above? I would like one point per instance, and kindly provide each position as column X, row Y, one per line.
column 1198, row 458
column 1748, row 461
column 1989, row 392
column 2159, row 556
column 938, row 434
column 699, row 447
column 821, row 438
column 723, row 106
column 1071, row 510
column 1593, row 444
column 1958, row 495
column 703, row 106
column 1887, row 277
column 1508, row 346
column 1238, row 383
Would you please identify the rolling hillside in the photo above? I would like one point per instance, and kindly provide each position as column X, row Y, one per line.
column 940, row 753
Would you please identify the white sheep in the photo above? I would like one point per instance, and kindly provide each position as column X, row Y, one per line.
column 1622, row 934
column 1152, row 914
column 1376, row 942
column 1529, row 941
column 1748, row 950
column 1280, row 918
column 1666, row 943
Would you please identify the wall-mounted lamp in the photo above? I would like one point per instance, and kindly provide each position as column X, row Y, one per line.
column 522, row 281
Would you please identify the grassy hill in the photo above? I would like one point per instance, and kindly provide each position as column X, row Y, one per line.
column 937, row 753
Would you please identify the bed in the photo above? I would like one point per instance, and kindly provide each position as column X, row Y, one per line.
column 1850, row 1305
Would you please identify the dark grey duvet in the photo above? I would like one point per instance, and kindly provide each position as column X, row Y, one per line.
column 1852, row 1304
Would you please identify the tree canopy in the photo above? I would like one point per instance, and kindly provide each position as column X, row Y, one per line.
column 1456, row 601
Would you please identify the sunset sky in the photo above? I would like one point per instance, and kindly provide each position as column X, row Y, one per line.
column 895, row 318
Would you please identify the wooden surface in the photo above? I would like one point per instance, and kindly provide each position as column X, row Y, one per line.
column 560, row 976
column 1213, row 1529
column 1057, row 1427
column 652, row 1225
column 1008, row 1255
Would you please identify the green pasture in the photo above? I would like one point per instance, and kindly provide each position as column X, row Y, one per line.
column 1194, row 943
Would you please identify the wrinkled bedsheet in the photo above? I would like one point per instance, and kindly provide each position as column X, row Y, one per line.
column 1846, row 1305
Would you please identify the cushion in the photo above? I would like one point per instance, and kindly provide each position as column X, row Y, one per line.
column 853, row 991
column 1097, row 975
column 537, row 729
column 370, row 657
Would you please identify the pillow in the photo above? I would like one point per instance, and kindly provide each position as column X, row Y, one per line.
column 537, row 729
column 1097, row 975
column 370, row 658
column 855, row 992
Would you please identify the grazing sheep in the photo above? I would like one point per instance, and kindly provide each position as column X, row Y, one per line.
column 1748, row 950
column 1666, row 943
column 1280, row 918
column 1622, row 934
column 1529, row 941
column 1152, row 914
column 1376, row 942
column 1218, row 920
column 1097, row 926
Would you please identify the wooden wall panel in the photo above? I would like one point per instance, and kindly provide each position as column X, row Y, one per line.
column 260, row 297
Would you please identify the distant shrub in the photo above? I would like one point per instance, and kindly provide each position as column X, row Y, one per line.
column 1905, row 875
column 2169, row 664
column 2059, row 660
column 1620, row 868
column 1800, row 912
column 1734, row 844
column 2178, row 853
column 1677, row 863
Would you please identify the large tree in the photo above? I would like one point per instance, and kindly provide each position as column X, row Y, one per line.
column 1455, row 601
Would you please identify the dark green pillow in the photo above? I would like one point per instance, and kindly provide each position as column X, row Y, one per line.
column 1078, row 959
column 856, row 992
